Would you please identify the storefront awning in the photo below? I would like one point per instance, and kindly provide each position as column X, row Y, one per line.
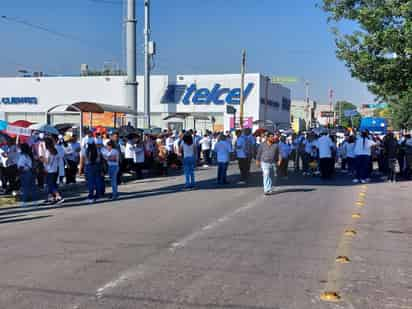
column 91, row 107
column 183, row 116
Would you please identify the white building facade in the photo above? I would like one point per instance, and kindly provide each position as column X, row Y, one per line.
column 190, row 101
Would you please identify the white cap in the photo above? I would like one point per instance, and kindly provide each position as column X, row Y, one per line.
column 41, row 135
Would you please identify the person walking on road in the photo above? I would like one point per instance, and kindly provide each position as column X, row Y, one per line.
column 206, row 145
column 363, row 152
column 267, row 158
column 51, row 165
column 284, row 152
column 326, row 161
column 243, row 149
column 223, row 149
column 72, row 157
column 350, row 155
column 92, row 160
column 188, row 150
column 112, row 156
column 390, row 152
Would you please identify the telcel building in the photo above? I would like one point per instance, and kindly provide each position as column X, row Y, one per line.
column 190, row 101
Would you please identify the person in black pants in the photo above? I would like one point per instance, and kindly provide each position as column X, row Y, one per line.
column 326, row 148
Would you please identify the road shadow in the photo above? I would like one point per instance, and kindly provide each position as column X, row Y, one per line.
column 294, row 183
column 14, row 219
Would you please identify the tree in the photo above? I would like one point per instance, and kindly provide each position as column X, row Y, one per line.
column 379, row 53
column 347, row 122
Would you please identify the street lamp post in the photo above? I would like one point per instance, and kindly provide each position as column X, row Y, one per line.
column 242, row 86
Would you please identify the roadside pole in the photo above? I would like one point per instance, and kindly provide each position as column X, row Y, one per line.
column 131, row 83
column 331, row 106
column 147, row 63
column 307, row 111
column 266, row 99
column 242, row 87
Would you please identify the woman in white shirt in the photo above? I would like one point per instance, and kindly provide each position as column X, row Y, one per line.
column 350, row 154
column 189, row 152
column 129, row 155
column 112, row 157
column 363, row 153
column 139, row 158
column 223, row 150
column 51, row 165
column 25, row 166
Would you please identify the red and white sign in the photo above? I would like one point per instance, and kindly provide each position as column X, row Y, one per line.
column 247, row 122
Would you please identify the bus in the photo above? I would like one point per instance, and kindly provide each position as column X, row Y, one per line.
column 375, row 125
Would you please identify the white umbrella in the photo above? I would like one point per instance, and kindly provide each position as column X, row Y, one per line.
column 44, row 128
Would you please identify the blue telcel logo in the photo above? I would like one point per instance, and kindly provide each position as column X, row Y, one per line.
column 203, row 96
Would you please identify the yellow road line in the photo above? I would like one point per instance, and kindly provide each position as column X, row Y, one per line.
column 334, row 282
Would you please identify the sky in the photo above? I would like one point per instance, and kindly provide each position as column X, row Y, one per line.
column 288, row 38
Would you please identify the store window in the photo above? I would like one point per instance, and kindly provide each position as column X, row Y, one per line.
column 286, row 104
column 32, row 117
column 65, row 118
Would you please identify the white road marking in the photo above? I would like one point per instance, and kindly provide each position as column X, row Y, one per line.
column 128, row 275
column 139, row 270
column 184, row 241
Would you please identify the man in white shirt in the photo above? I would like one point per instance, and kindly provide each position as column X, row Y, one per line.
column 284, row 153
column 308, row 144
column 206, row 145
column 139, row 157
column 72, row 157
column 325, row 147
column 169, row 143
column 130, row 152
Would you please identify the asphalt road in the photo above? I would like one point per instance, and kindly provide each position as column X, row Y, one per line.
column 216, row 247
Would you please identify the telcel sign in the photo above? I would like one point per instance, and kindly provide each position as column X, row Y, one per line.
column 217, row 95
column 19, row 100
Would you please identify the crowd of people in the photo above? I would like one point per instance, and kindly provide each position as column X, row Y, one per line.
column 46, row 162
column 319, row 152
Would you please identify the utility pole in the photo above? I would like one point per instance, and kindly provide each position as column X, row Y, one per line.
column 331, row 104
column 147, row 62
column 242, row 87
column 267, row 80
column 131, row 83
column 307, row 111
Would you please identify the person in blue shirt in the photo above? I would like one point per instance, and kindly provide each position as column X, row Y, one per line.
column 243, row 154
column 223, row 149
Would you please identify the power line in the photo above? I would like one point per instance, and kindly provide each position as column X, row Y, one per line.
column 53, row 32
column 43, row 28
